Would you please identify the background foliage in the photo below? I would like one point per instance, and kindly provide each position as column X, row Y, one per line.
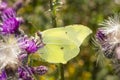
column 87, row 12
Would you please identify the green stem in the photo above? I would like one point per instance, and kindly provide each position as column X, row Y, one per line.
column 54, row 24
column 61, row 71
column 53, row 13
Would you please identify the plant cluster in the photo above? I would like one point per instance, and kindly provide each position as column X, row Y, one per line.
column 16, row 46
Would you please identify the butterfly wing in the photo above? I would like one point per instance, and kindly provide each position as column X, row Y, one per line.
column 77, row 33
column 62, row 44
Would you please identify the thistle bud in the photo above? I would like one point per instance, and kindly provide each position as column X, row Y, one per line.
column 25, row 73
column 40, row 70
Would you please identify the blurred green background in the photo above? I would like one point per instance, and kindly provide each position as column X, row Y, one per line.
column 87, row 12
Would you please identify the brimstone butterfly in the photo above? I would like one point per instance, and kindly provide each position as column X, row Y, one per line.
column 62, row 44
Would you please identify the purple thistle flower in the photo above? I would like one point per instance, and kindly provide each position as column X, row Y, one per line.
column 108, row 36
column 103, row 40
column 9, row 26
column 25, row 73
column 3, row 5
column 8, row 13
column 101, row 36
column 32, row 47
column 3, row 75
column 28, row 44
column 40, row 70
column 17, row 50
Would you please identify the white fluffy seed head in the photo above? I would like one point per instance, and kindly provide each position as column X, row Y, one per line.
column 9, row 51
column 112, row 29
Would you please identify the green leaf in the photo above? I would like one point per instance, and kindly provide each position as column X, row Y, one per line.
column 62, row 44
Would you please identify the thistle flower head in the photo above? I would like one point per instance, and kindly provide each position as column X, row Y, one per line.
column 112, row 29
column 108, row 36
column 112, row 24
column 30, row 45
column 25, row 73
column 40, row 70
column 9, row 51
column 10, row 22
column 15, row 47
column 9, row 26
